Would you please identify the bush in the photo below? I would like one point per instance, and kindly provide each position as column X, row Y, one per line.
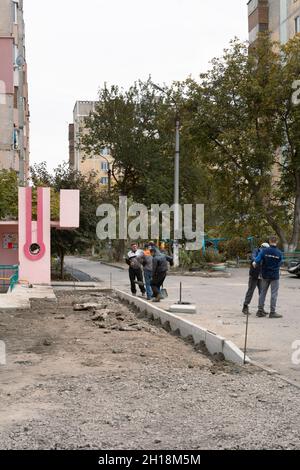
column 236, row 247
column 198, row 259
column 212, row 256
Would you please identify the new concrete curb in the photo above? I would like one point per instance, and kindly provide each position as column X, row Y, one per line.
column 214, row 343
column 111, row 265
column 76, row 284
column 203, row 274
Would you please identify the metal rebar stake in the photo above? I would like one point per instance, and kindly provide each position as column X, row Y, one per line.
column 246, row 338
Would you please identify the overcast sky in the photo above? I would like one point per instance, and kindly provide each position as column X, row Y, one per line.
column 74, row 46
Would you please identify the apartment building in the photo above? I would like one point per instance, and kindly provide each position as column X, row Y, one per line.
column 14, row 108
column 280, row 17
column 100, row 164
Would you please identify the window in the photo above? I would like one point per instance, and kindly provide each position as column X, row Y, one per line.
column 15, row 12
column 104, row 166
column 297, row 24
column 104, row 180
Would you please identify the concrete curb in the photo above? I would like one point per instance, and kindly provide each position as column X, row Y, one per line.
column 214, row 343
column 76, row 284
column 113, row 265
column 20, row 298
column 204, row 274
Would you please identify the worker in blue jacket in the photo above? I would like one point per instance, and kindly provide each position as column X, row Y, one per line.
column 270, row 259
column 255, row 278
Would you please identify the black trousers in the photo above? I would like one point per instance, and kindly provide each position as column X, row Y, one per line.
column 157, row 281
column 253, row 284
column 136, row 274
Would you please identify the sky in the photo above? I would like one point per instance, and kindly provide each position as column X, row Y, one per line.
column 73, row 47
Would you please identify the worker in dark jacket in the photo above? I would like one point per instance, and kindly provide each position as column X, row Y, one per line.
column 147, row 263
column 160, row 267
column 135, row 269
column 270, row 259
column 255, row 278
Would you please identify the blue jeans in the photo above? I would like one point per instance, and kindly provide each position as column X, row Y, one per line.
column 148, row 279
column 274, row 284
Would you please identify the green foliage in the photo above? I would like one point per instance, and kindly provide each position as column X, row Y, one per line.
column 240, row 141
column 8, row 195
column 234, row 248
column 138, row 125
column 198, row 259
column 242, row 115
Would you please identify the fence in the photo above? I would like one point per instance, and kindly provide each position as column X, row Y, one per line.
column 9, row 276
column 291, row 257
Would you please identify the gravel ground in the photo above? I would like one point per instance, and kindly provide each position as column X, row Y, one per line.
column 107, row 379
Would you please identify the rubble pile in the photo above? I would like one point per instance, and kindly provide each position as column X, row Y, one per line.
column 108, row 314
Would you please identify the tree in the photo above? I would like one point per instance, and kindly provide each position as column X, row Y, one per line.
column 137, row 126
column 8, row 194
column 247, row 128
column 70, row 241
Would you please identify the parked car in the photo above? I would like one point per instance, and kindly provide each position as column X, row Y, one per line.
column 294, row 267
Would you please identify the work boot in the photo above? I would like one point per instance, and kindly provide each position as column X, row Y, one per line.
column 261, row 313
column 246, row 310
column 157, row 299
column 275, row 315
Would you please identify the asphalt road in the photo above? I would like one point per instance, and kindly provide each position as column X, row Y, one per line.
column 219, row 302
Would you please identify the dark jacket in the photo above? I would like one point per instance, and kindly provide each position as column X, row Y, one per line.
column 133, row 259
column 271, row 259
column 255, row 272
column 160, row 263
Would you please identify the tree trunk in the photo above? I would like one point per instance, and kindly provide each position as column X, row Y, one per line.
column 296, row 221
column 279, row 231
column 120, row 250
column 62, row 259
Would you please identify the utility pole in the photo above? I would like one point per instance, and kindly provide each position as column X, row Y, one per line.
column 176, row 180
column 176, row 191
column 20, row 64
column 109, row 174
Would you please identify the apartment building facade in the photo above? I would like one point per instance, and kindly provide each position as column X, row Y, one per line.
column 100, row 164
column 280, row 17
column 14, row 107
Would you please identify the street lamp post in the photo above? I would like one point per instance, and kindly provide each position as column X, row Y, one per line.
column 109, row 173
column 176, row 180
column 176, row 191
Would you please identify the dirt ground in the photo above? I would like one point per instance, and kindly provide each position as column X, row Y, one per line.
column 113, row 380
